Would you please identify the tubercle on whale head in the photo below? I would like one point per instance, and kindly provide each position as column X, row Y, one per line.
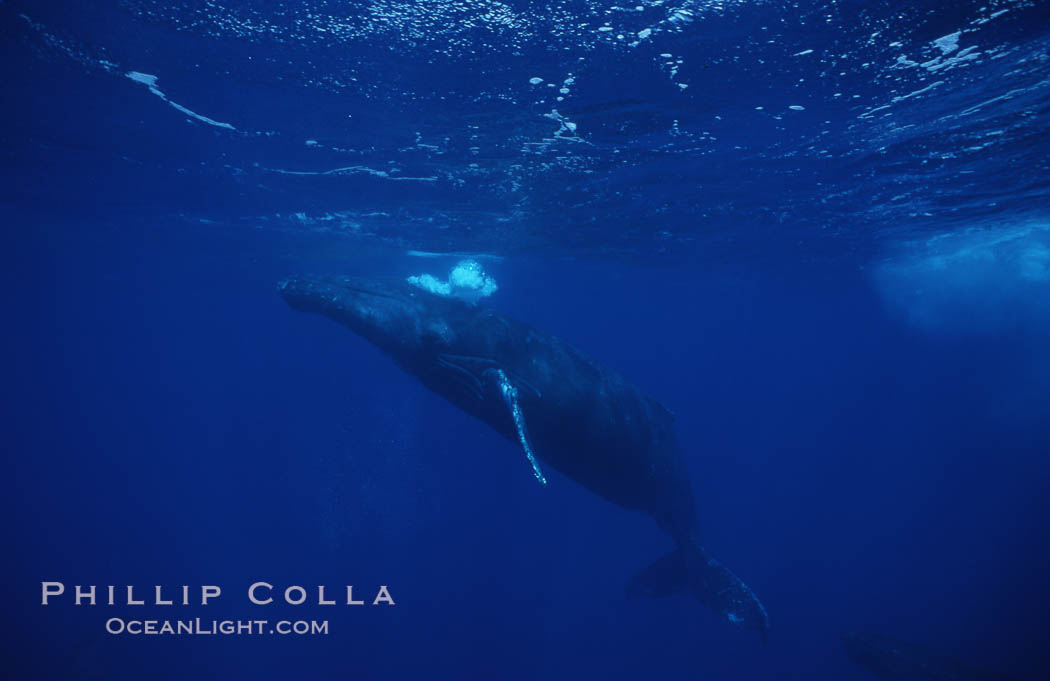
column 398, row 318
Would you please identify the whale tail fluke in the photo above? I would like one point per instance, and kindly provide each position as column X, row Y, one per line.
column 688, row 569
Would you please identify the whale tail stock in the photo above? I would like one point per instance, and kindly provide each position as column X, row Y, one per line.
column 691, row 570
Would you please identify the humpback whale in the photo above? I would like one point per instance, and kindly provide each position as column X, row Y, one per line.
column 562, row 408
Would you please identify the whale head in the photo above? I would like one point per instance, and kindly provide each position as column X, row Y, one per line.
column 406, row 322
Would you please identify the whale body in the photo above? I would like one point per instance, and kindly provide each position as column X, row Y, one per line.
column 563, row 409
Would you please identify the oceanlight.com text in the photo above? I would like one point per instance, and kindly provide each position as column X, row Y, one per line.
column 199, row 627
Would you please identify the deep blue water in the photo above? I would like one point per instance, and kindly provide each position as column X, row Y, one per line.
column 846, row 304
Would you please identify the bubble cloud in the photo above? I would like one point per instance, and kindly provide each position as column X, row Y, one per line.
column 467, row 281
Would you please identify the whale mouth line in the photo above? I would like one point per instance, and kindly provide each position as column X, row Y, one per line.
column 463, row 364
column 377, row 294
column 313, row 285
column 463, row 375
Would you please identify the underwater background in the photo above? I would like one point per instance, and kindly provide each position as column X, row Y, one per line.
column 817, row 232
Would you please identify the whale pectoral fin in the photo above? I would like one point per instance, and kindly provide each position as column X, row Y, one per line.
column 510, row 398
column 474, row 372
column 689, row 569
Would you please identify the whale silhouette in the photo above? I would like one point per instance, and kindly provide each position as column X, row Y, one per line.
column 562, row 408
